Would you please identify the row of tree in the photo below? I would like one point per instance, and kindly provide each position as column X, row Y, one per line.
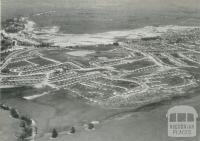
column 72, row 130
column 55, row 132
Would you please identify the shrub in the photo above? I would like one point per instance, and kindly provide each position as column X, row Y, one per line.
column 22, row 137
column 14, row 113
column 28, row 131
column 2, row 106
column 54, row 133
column 22, row 124
column 90, row 126
column 26, row 119
column 116, row 44
column 72, row 130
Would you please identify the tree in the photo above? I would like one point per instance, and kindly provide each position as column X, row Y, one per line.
column 116, row 44
column 22, row 124
column 27, row 120
column 90, row 126
column 28, row 131
column 21, row 137
column 54, row 133
column 4, row 107
column 72, row 130
column 14, row 113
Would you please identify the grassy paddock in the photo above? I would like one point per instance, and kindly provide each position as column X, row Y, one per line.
column 40, row 61
column 134, row 65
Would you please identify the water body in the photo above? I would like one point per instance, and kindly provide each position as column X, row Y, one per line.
column 94, row 16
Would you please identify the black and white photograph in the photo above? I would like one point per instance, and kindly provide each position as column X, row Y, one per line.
column 100, row 70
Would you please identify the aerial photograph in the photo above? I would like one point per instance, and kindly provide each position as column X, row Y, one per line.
column 100, row 70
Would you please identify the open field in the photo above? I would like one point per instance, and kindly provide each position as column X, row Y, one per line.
column 54, row 109
column 40, row 61
column 9, row 127
column 129, row 125
column 134, row 65
column 62, row 111
column 18, row 64
column 56, row 54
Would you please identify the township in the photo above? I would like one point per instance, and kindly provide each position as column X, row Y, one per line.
column 125, row 73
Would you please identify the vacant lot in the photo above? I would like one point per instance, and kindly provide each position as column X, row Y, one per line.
column 173, row 81
column 118, row 83
column 41, row 61
column 56, row 54
column 18, row 64
column 134, row 65
column 59, row 110
column 188, row 62
column 109, row 55
column 166, row 61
